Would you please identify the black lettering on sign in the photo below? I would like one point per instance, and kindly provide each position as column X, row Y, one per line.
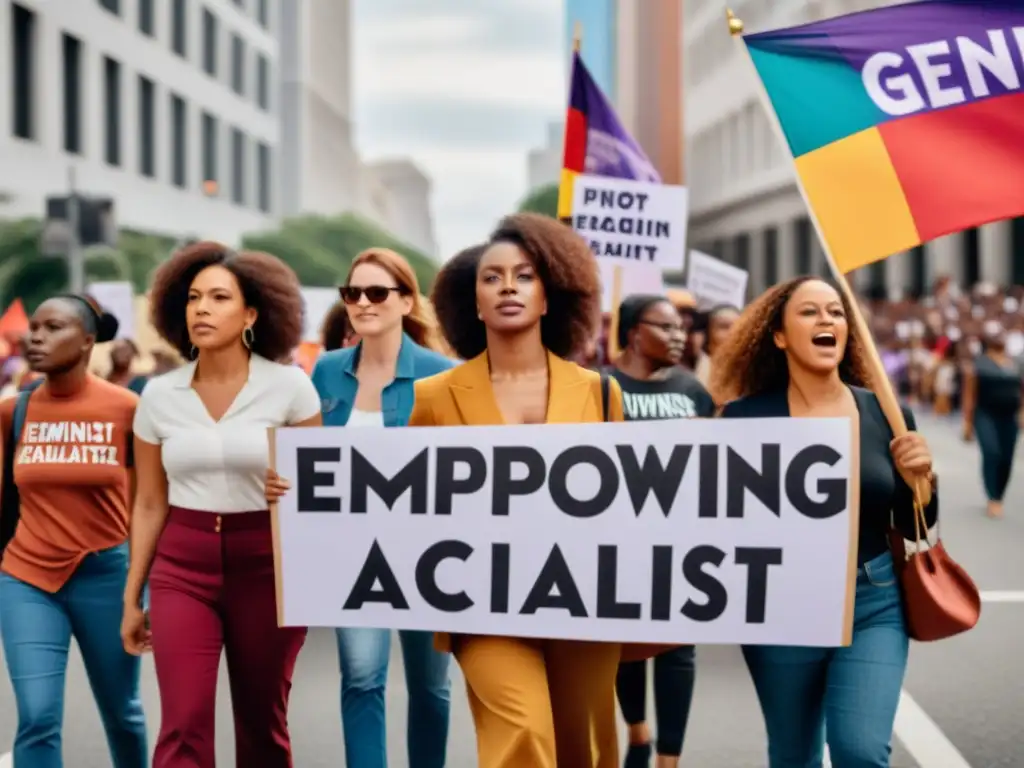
column 607, row 483
column 707, row 583
column 309, row 479
column 757, row 560
column 412, row 478
column 608, row 605
column 504, row 487
column 500, row 557
column 652, row 477
column 376, row 570
column 707, row 497
column 661, row 583
column 446, row 487
column 555, row 588
column 766, row 485
column 426, row 576
column 832, row 488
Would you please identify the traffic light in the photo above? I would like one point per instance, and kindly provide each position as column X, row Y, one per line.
column 96, row 223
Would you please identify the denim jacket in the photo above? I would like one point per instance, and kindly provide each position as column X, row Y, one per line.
column 334, row 377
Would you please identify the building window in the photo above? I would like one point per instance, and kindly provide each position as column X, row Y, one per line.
column 971, row 257
column 237, row 167
column 741, row 255
column 262, row 82
column 263, row 13
column 23, row 47
column 179, row 27
column 112, row 110
column 263, row 171
column 147, row 18
column 918, row 272
column 1017, row 251
column 72, row 53
column 114, row 6
column 209, row 43
column 804, row 247
column 238, row 65
column 210, row 150
column 179, row 142
column 147, row 127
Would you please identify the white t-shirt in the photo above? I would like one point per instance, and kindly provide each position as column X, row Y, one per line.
column 220, row 466
column 360, row 418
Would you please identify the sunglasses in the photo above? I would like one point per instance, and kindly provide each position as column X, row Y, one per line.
column 375, row 294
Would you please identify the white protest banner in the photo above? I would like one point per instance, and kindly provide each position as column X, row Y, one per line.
column 318, row 303
column 117, row 298
column 705, row 531
column 639, row 278
column 714, row 282
column 632, row 222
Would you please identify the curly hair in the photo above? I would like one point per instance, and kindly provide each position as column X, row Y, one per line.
column 565, row 265
column 335, row 328
column 749, row 362
column 419, row 323
column 268, row 285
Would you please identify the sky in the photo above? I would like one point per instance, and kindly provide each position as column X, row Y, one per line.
column 465, row 88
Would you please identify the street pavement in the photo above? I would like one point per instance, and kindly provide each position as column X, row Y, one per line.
column 962, row 707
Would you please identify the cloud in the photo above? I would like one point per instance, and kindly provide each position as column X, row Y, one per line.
column 465, row 89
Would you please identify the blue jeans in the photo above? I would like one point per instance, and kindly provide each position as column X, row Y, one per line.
column 997, row 439
column 845, row 696
column 37, row 628
column 363, row 656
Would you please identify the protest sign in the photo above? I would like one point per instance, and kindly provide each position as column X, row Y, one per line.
column 708, row 531
column 117, row 298
column 318, row 302
column 631, row 222
column 715, row 283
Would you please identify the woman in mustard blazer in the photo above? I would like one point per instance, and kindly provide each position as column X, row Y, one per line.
column 516, row 309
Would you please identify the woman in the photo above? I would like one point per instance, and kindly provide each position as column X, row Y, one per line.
column 200, row 515
column 718, row 323
column 654, row 386
column 793, row 353
column 336, row 331
column 123, row 354
column 371, row 385
column 517, row 312
column 64, row 571
column 992, row 403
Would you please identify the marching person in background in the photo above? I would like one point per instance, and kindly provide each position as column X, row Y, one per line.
column 654, row 386
column 793, row 353
column 991, row 409
column 64, row 570
column 718, row 323
column 371, row 385
column 200, row 516
column 122, row 356
column 517, row 312
column 336, row 331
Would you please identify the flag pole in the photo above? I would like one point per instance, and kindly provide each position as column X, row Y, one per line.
column 881, row 385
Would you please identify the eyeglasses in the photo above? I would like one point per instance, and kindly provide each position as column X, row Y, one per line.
column 375, row 294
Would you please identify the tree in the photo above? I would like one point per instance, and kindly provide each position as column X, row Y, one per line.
column 542, row 200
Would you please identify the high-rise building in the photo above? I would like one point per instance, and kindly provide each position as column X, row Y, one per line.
column 169, row 106
column 745, row 206
column 405, row 205
column 598, row 20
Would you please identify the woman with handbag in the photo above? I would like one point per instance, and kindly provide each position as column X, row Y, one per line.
column 793, row 353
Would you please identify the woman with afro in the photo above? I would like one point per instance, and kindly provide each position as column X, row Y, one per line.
column 200, row 529
column 517, row 310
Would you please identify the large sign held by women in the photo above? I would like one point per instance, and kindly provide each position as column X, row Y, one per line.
column 716, row 531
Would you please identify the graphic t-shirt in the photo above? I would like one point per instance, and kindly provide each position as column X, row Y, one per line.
column 70, row 467
column 679, row 396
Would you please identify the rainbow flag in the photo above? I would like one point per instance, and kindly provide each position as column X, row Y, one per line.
column 595, row 141
column 906, row 123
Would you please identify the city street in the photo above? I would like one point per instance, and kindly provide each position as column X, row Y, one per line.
column 961, row 708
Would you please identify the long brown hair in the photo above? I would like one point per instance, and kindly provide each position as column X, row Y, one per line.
column 749, row 363
column 419, row 323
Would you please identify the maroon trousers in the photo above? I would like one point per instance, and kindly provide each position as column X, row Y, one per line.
column 212, row 589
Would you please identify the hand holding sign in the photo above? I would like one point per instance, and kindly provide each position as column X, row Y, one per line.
column 276, row 486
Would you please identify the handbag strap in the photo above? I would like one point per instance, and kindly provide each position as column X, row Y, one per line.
column 605, row 394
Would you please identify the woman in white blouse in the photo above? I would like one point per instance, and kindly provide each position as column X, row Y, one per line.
column 200, row 517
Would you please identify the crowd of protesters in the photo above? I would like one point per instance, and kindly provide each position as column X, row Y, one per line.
column 505, row 318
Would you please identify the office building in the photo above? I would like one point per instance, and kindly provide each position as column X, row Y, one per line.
column 168, row 106
column 745, row 206
column 402, row 203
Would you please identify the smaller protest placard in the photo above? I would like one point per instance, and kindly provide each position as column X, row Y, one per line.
column 639, row 278
column 318, row 303
column 714, row 282
column 631, row 222
column 117, row 298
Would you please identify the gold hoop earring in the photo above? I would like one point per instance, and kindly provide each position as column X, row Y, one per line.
column 248, row 337
column 193, row 353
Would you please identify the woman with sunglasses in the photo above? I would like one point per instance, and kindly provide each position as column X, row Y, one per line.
column 371, row 385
